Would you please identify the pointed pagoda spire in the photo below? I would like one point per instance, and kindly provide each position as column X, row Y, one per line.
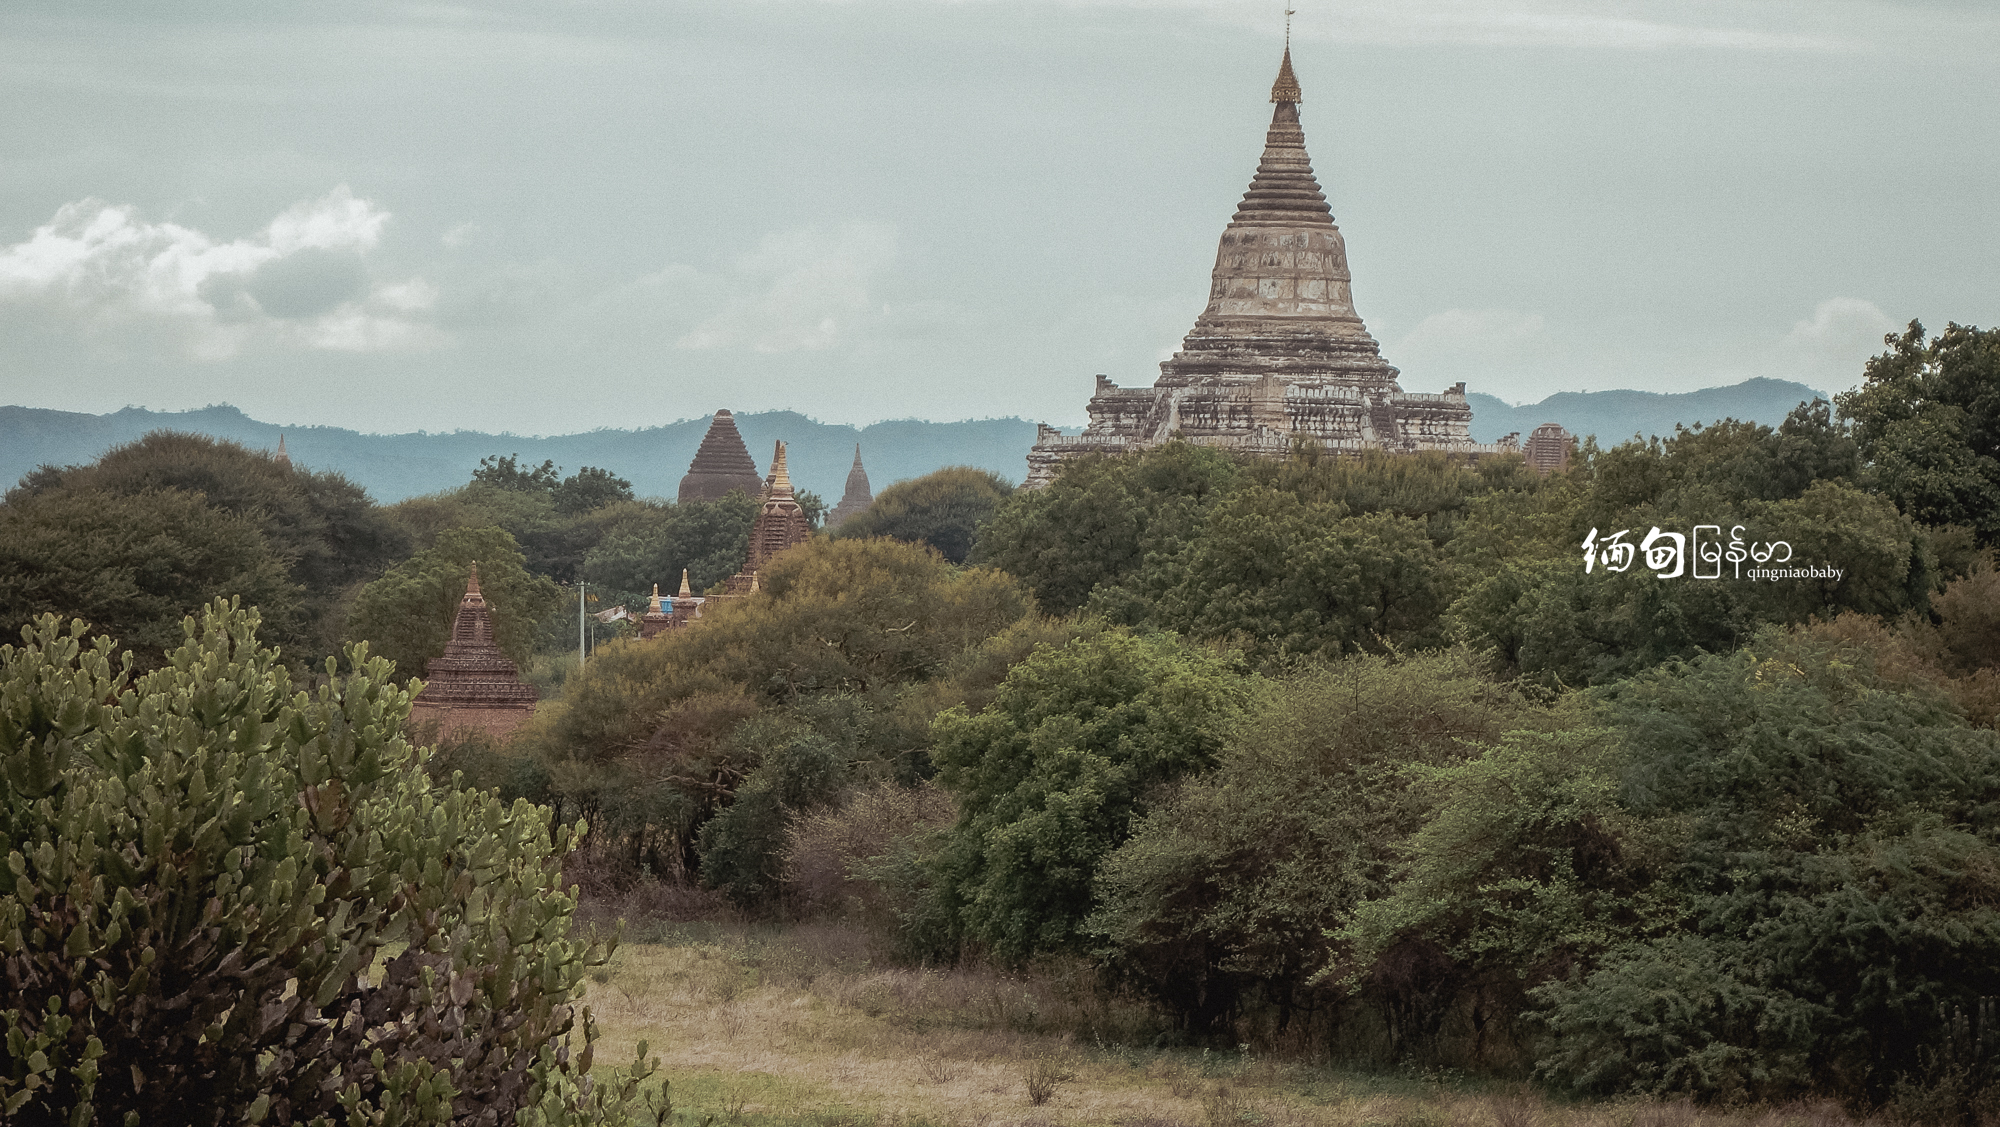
column 1284, row 190
column 721, row 464
column 779, row 484
column 1286, row 88
column 653, row 605
column 281, row 457
column 687, row 592
column 472, row 593
column 856, row 498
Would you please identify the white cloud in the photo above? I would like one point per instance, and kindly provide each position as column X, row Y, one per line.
column 99, row 268
column 802, row 290
column 1479, row 334
column 1827, row 351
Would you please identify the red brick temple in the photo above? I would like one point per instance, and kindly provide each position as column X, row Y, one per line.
column 781, row 523
column 472, row 686
column 721, row 464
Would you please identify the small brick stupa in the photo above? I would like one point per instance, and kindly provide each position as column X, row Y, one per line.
column 673, row 613
column 721, row 464
column 781, row 523
column 472, row 686
column 857, row 497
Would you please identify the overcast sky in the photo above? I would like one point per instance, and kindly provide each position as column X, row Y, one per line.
column 550, row 217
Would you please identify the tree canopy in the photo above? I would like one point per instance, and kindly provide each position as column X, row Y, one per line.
column 943, row 509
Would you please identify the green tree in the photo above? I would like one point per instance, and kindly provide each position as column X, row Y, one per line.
column 1927, row 417
column 708, row 539
column 1052, row 773
column 1219, row 904
column 323, row 528
column 406, row 615
column 1276, row 575
column 134, row 565
column 204, row 868
column 590, row 488
column 507, row 473
column 1106, row 531
column 846, row 650
column 943, row 509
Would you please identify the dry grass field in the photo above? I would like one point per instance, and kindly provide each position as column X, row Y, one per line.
column 765, row 1026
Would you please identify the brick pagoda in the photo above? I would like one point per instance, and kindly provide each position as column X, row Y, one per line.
column 721, row 464
column 472, row 686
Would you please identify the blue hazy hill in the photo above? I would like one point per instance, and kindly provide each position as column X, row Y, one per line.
column 1614, row 416
column 395, row 466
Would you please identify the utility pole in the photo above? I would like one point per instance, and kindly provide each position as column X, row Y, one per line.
column 579, row 626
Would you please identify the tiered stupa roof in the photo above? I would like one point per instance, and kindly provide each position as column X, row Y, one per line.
column 857, row 497
column 721, row 464
column 472, row 676
column 1279, row 354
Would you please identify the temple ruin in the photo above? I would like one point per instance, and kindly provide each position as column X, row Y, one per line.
column 721, row 464
column 472, row 686
column 857, row 496
column 1279, row 355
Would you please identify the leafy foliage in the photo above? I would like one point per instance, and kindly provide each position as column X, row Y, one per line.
column 203, row 870
column 943, row 509
column 134, row 566
column 1051, row 774
column 589, row 489
column 321, row 529
column 708, row 539
column 827, row 677
column 1927, row 418
column 1220, row 904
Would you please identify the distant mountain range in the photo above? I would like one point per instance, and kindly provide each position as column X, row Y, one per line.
column 395, row 466
column 1614, row 416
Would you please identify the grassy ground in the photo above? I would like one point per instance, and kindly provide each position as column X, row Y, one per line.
column 765, row 1027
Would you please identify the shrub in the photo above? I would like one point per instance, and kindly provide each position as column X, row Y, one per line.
column 225, row 900
column 859, row 858
column 1051, row 775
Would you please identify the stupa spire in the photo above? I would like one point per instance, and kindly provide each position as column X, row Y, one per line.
column 472, row 593
column 281, row 457
column 1286, row 89
column 856, row 498
column 780, row 484
column 653, row 606
column 687, row 592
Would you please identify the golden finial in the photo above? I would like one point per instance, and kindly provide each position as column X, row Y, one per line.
column 654, row 606
column 686, row 591
column 781, row 481
column 1286, row 89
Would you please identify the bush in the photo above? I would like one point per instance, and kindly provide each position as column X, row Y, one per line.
column 1051, row 775
column 865, row 858
column 226, row 900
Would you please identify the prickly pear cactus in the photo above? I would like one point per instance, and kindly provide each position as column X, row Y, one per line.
column 224, row 899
